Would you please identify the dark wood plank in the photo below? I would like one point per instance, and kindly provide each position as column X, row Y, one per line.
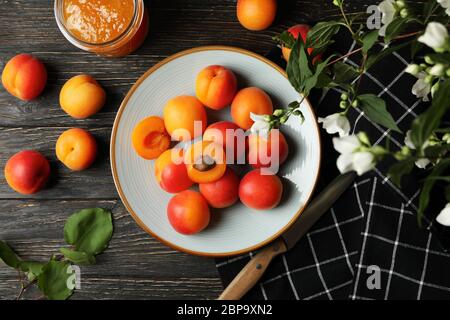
column 133, row 260
column 95, row 182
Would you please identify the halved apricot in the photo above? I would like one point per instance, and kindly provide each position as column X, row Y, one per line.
column 205, row 161
column 150, row 138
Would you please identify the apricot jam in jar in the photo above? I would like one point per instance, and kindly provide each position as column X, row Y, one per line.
column 112, row 28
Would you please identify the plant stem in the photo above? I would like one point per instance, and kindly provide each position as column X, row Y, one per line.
column 404, row 36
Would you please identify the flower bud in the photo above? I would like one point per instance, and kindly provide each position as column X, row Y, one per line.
column 400, row 4
column 437, row 70
column 435, row 88
column 283, row 119
column 355, row 103
column 413, row 69
column 404, row 13
column 278, row 112
column 428, row 79
column 446, row 138
column 363, row 138
column 343, row 105
column 429, row 60
column 344, row 97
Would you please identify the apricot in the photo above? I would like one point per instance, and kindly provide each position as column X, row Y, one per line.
column 256, row 15
column 268, row 151
column 296, row 31
column 171, row 172
column 76, row 149
column 27, row 172
column 223, row 192
column 188, row 212
column 259, row 191
column 216, row 87
column 185, row 118
column 230, row 136
column 150, row 138
column 249, row 100
column 24, row 76
column 205, row 161
column 82, row 97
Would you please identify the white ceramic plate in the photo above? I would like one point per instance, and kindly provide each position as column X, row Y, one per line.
column 237, row 229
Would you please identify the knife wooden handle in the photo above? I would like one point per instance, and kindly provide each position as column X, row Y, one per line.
column 253, row 271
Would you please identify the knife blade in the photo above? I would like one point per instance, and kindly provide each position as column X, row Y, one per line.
column 255, row 268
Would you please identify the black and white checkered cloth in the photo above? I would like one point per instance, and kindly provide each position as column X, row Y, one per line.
column 373, row 224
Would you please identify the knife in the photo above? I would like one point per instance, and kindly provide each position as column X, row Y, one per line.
column 255, row 268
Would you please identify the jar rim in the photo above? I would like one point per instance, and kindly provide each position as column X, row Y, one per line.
column 58, row 11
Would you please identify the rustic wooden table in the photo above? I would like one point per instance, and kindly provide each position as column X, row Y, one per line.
column 135, row 266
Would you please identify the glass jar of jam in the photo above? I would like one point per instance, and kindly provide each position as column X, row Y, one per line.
column 111, row 28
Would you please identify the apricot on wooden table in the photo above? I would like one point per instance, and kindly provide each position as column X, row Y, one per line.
column 82, row 96
column 256, row 15
column 216, row 87
column 27, row 172
column 150, row 138
column 171, row 172
column 205, row 161
column 249, row 100
column 185, row 118
column 222, row 193
column 76, row 149
column 188, row 212
column 260, row 191
column 24, row 76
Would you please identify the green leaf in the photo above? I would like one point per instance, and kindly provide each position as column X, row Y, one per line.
column 344, row 72
column 32, row 269
column 375, row 58
column 298, row 68
column 78, row 257
column 424, row 125
column 399, row 169
column 424, row 198
column 89, row 230
column 311, row 82
column 396, row 27
column 437, row 151
column 54, row 280
column 443, row 58
column 447, row 193
column 320, row 35
column 8, row 256
column 285, row 38
column 375, row 109
column 369, row 41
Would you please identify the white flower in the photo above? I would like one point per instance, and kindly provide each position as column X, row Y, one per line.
column 363, row 162
column 421, row 89
column 421, row 163
column 351, row 159
column 435, row 36
column 336, row 123
column 388, row 11
column 444, row 216
column 260, row 126
column 446, row 5
column 346, row 145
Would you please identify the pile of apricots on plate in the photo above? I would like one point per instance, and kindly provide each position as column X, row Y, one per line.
column 202, row 154
column 25, row 77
